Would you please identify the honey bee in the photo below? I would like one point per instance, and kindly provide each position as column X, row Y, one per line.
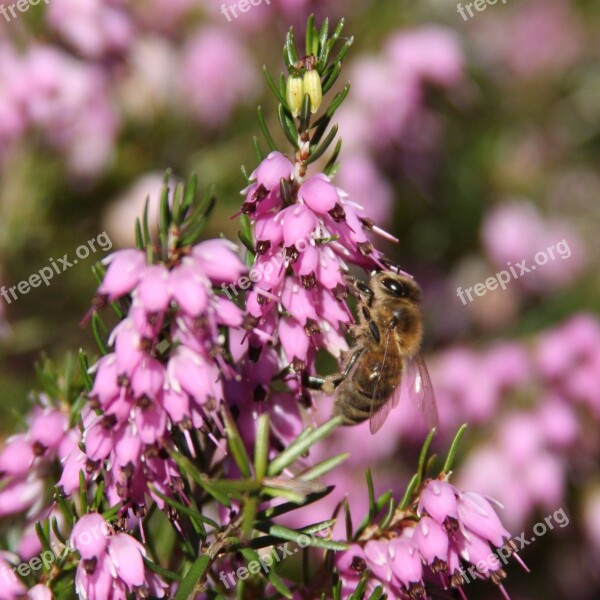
column 387, row 341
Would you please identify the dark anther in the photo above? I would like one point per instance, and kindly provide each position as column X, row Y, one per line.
column 337, row 213
column 263, row 246
column 248, row 208
column 309, row 281
column 38, row 449
column 254, row 353
column 292, row 253
column 311, row 327
column 109, row 421
column 260, row 193
column 122, row 380
column 358, row 564
column 340, row 292
column 367, row 223
column 298, row 365
column 259, row 393
column 250, row 322
column 89, row 565
column 365, row 248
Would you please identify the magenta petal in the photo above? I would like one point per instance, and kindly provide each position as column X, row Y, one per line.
column 293, row 338
column 17, row 457
column 376, row 553
column 439, row 500
column 126, row 555
column 153, row 289
column 190, row 289
column 123, row 273
column 148, row 378
column 319, row 194
column 48, row 428
column 219, row 261
column 227, row 312
column 298, row 223
column 432, row 540
column 272, row 170
column 90, row 535
column 478, row 515
column 406, row 562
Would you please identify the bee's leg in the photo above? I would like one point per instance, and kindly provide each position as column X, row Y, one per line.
column 366, row 313
column 358, row 288
column 329, row 384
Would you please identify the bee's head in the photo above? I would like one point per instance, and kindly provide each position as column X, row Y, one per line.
column 392, row 286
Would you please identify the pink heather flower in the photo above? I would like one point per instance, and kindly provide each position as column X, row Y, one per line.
column 90, row 536
column 40, row 592
column 432, row 542
column 431, row 54
column 11, row 586
column 477, row 515
column 123, row 273
column 17, row 457
column 319, row 194
column 110, row 563
column 438, row 499
column 275, row 167
column 25, row 459
column 94, row 28
column 67, row 100
column 406, row 564
column 214, row 76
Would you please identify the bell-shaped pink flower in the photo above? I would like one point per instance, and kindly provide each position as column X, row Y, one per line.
column 431, row 540
column 123, row 274
column 319, row 194
column 17, row 457
column 190, row 288
column 405, row 561
column 378, row 559
column 438, row 498
column 126, row 556
column 272, row 170
column 48, row 427
column 219, row 261
column 298, row 223
column 294, row 340
column 477, row 515
column 89, row 536
column 154, row 290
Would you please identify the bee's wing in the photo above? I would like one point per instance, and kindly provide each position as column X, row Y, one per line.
column 420, row 389
column 377, row 417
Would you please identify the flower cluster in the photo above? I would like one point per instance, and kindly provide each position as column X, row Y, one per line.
column 451, row 526
column 112, row 564
column 25, row 458
column 143, row 391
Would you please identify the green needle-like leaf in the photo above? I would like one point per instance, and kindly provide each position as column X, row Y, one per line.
column 323, row 467
column 261, row 447
column 453, row 449
column 423, row 456
column 194, row 574
column 299, row 446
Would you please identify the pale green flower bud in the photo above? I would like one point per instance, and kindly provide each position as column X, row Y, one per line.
column 295, row 94
column 312, row 87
